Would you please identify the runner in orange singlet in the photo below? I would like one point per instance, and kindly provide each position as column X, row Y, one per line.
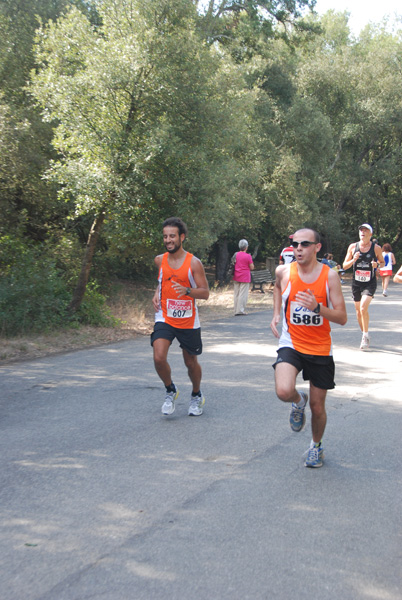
column 181, row 280
column 310, row 294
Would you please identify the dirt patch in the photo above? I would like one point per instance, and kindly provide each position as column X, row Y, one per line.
column 133, row 307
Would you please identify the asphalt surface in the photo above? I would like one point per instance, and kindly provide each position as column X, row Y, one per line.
column 102, row 497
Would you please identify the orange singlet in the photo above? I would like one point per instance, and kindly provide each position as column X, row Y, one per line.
column 302, row 329
column 177, row 312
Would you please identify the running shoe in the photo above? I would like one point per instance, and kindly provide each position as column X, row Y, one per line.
column 168, row 406
column 297, row 417
column 365, row 343
column 314, row 456
column 196, row 404
column 385, row 293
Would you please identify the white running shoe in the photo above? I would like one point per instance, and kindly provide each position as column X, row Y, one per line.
column 168, row 406
column 365, row 343
column 385, row 293
column 196, row 404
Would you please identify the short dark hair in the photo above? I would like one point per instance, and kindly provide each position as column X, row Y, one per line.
column 176, row 222
column 387, row 248
column 317, row 238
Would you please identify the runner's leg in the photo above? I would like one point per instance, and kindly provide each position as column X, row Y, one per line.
column 365, row 317
column 318, row 412
column 285, row 382
column 358, row 314
column 193, row 369
column 162, row 367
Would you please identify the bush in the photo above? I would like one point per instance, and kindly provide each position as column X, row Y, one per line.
column 94, row 310
column 34, row 295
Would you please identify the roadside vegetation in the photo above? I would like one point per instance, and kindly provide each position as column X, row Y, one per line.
column 247, row 119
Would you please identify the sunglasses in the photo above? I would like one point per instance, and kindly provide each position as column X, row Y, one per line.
column 304, row 244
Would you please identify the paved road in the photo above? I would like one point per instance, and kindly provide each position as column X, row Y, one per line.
column 102, row 497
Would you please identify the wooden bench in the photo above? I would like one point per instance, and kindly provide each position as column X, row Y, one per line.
column 258, row 278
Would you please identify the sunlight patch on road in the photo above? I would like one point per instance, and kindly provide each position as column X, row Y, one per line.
column 247, row 348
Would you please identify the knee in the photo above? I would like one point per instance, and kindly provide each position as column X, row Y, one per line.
column 284, row 392
column 317, row 408
column 160, row 360
column 190, row 361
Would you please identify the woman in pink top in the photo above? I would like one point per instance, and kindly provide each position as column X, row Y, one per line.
column 242, row 277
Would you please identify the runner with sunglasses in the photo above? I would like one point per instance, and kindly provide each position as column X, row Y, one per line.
column 310, row 295
column 365, row 257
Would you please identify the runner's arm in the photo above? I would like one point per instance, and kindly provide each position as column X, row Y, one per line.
column 380, row 258
column 155, row 298
column 398, row 276
column 350, row 258
column 281, row 276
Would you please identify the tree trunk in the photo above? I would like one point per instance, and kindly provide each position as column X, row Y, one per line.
column 222, row 261
column 80, row 288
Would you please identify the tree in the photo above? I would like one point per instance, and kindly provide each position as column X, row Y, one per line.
column 149, row 121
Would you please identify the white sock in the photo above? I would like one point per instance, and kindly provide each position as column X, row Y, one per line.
column 301, row 403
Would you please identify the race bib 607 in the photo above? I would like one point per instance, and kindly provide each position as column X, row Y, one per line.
column 179, row 309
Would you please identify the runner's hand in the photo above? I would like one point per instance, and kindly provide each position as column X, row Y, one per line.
column 274, row 324
column 179, row 289
column 306, row 299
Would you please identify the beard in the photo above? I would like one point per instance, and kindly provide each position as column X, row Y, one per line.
column 174, row 249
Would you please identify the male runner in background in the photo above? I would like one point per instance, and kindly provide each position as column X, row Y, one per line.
column 181, row 278
column 287, row 255
column 365, row 257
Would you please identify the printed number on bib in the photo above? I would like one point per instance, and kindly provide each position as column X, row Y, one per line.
column 179, row 309
column 299, row 315
column 362, row 276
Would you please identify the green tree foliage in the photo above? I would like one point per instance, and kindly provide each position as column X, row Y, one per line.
column 356, row 86
column 25, row 140
column 150, row 122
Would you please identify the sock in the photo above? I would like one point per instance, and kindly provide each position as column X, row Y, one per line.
column 171, row 388
column 301, row 402
column 315, row 444
column 194, row 394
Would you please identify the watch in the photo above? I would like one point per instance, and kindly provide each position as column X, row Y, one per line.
column 317, row 309
column 188, row 290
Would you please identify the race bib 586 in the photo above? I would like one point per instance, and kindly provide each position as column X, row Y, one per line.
column 299, row 315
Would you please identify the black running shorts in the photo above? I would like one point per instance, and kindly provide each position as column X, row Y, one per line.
column 320, row 370
column 189, row 339
column 364, row 289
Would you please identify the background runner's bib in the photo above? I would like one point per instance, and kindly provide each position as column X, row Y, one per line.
column 363, row 271
column 181, row 313
column 302, row 329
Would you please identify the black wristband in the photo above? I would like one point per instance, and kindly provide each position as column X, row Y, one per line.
column 317, row 309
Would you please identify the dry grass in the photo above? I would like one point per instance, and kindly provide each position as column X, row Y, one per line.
column 132, row 305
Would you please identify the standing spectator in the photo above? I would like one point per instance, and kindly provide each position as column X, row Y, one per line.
column 329, row 260
column 287, row 255
column 386, row 270
column 242, row 278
